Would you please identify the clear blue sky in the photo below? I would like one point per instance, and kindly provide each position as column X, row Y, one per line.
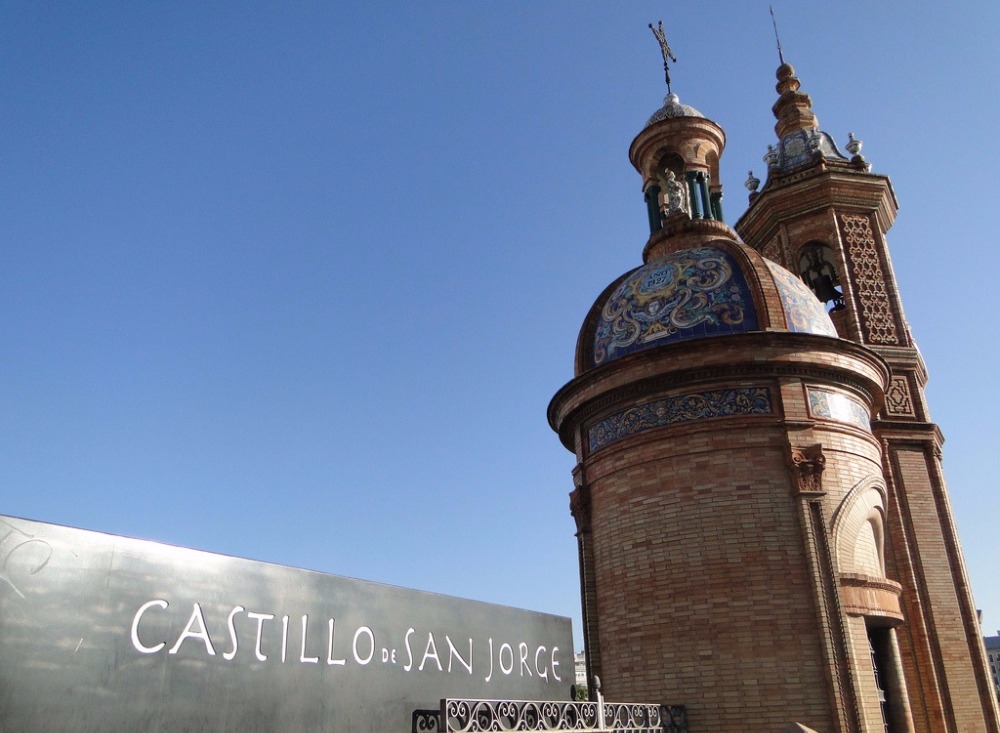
column 296, row 281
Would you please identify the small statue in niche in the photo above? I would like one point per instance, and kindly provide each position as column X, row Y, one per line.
column 674, row 194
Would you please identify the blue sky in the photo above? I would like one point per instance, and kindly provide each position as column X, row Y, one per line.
column 296, row 281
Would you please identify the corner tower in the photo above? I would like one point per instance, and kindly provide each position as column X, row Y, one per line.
column 729, row 495
column 824, row 215
column 763, row 527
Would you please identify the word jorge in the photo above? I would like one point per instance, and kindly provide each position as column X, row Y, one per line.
column 269, row 637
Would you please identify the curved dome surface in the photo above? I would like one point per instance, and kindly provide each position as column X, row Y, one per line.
column 672, row 107
column 804, row 313
column 695, row 293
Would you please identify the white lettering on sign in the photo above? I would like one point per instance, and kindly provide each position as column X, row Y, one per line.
column 195, row 629
column 542, row 673
column 329, row 649
column 305, row 630
column 364, row 631
column 512, row 658
column 430, row 652
column 284, row 637
column 232, row 633
column 135, row 627
column 261, row 618
column 509, row 667
column 453, row 654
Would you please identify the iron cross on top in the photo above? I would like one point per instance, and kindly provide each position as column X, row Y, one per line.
column 668, row 55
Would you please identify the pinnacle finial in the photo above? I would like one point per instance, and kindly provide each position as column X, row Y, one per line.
column 668, row 55
column 793, row 110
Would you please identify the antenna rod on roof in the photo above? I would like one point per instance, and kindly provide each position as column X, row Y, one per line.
column 777, row 40
column 668, row 55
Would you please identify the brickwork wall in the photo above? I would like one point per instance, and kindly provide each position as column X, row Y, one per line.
column 938, row 650
column 936, row 645
column 704, row 596
column 710, row 584
column 864, row 676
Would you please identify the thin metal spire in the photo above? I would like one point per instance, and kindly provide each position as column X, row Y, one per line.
column 777, row 40
column 668, row 55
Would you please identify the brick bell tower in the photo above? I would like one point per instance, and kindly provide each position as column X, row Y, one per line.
column 825, row 216
column 743, row 547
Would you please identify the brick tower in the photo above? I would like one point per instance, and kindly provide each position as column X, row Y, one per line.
column 763, row 529
column 826, row 217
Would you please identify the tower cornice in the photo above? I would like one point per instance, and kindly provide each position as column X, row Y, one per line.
column 815, row 189
column 771, row 354
column 681, row 231
column 696, row 139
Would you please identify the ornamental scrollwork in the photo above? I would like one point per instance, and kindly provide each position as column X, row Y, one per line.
column 897, row 398
column 680, row 408
column 869, row 279
column 462, row 716
column 691, row 294
column 426, row 721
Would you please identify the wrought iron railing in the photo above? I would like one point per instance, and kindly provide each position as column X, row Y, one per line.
column 426, row 721
column 475, row 716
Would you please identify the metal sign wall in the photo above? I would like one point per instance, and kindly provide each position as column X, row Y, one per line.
column 99, row 632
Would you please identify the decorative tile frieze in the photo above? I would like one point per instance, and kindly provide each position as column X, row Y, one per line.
column 869, row 280
column 681, row 408
column 829, row 405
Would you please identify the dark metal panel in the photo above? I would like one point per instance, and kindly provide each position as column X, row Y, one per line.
column 99, row 632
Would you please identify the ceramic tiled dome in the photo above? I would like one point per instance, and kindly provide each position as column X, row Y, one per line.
column 717, row 289
column 672, row 107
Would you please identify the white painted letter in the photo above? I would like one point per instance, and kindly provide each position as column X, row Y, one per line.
column 490, row 675
column 261, row 618
column 302, row 657
column 555, row 664
column 371, row 639
column 329, row 648
column 542, row 673
column 430, row 652
column 510, row 651
column 232, row 632
column 139, row 646
column 409, row 653
column 453, row 654
column 190, row 632
column 284, row 637
column 523, row 648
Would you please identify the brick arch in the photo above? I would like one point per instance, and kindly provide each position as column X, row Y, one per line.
column 799, row 249
column 669, row 159
column 819, row 267
column 712, row 160
column 858, row 530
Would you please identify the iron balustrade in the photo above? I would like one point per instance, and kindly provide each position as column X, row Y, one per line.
column 476, row 716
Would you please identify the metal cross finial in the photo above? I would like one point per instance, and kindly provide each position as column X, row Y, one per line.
column 668, row 55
